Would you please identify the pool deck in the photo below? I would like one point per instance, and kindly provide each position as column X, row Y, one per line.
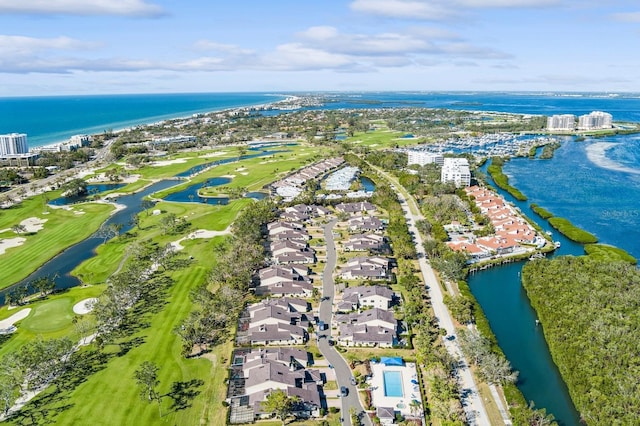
column 410, row 390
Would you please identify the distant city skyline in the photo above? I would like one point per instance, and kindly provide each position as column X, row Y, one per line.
column 68, row 47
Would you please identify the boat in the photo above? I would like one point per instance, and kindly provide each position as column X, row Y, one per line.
column 556, row 244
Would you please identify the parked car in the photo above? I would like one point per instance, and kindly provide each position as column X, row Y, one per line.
column 344, row 391
column 353, row 381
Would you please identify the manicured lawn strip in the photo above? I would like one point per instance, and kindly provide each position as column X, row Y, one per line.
column 192, row 159
column 609, row 253
column 62, row 229
column 569, row 230
column 35, row 325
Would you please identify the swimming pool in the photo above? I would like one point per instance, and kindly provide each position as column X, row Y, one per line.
column 392, row 383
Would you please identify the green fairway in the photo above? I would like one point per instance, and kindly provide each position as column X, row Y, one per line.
column 51, row 316
column 192, row 389
column 62, row 229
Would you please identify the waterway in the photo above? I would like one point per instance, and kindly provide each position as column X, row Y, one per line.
column 506, row 305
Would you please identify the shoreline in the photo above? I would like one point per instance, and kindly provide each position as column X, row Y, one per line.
column 158, row 119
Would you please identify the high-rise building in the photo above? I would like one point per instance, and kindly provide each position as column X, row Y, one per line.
column 456, row 170
column 561, row 122
column 595, row 120
column 422, row 157
column 13, row 143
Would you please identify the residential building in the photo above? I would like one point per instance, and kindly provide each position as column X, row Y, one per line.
column 456, row 170
column 364, row 242
column 423, row 157
column 561, row 122
column 595, row 120
column 373, row 296
column 13, row 144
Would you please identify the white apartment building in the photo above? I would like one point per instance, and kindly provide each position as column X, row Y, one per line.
column 422, row 157
column 456, row 170
column 13, row 144
column 561, row 122
column 595, row 120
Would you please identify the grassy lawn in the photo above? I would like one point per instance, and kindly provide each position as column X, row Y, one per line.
column 50, row 318
column 202, row 216
column 62, row 229
column 192, row 389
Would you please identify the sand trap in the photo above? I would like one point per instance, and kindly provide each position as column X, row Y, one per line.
column 239, row 169
column 168, row 162
column 6, row 325
column 244, row 173
column 213, row 154
column 200, row 233
column 33, row 224
column 8, row 243
column 228, row 176
column 84, row 306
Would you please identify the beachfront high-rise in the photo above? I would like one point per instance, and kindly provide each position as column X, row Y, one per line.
column 595, row 120
column 13, row 144
column 561, row 122
column 456, row 170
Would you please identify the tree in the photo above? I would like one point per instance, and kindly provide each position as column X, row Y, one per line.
column 147, row 205
column 147, row 378
column 242, row 150
column 75, row 187
column 19, row 229
column 44, row 284
column 280, row 404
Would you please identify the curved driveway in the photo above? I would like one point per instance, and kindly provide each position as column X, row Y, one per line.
column 343, row 372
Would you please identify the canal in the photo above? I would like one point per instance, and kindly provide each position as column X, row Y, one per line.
column 505, row 303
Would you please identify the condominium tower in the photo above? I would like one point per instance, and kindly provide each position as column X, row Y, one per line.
column 13, row 143
column 456, row 170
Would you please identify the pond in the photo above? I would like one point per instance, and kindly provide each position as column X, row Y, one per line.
column 92, row 190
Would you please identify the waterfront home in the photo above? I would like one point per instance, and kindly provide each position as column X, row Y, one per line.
column 474, row 251
column 364, row 242
column 373, row 296
column 498, row 245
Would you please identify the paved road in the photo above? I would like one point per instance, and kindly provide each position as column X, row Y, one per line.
column 343, row 372
column 472, row 402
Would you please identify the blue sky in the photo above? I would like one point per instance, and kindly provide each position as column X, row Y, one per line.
column 59, row 47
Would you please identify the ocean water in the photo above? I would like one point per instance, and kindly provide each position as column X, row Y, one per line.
column 53, row 119
column 595, row 184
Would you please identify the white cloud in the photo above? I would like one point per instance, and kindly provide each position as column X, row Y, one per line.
column 413, row 9
column 439, row 10
column 329, row 39
column 23, row 46
column 633, row 17
column 221, row 47
column 81, row 7
column 296, row 56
